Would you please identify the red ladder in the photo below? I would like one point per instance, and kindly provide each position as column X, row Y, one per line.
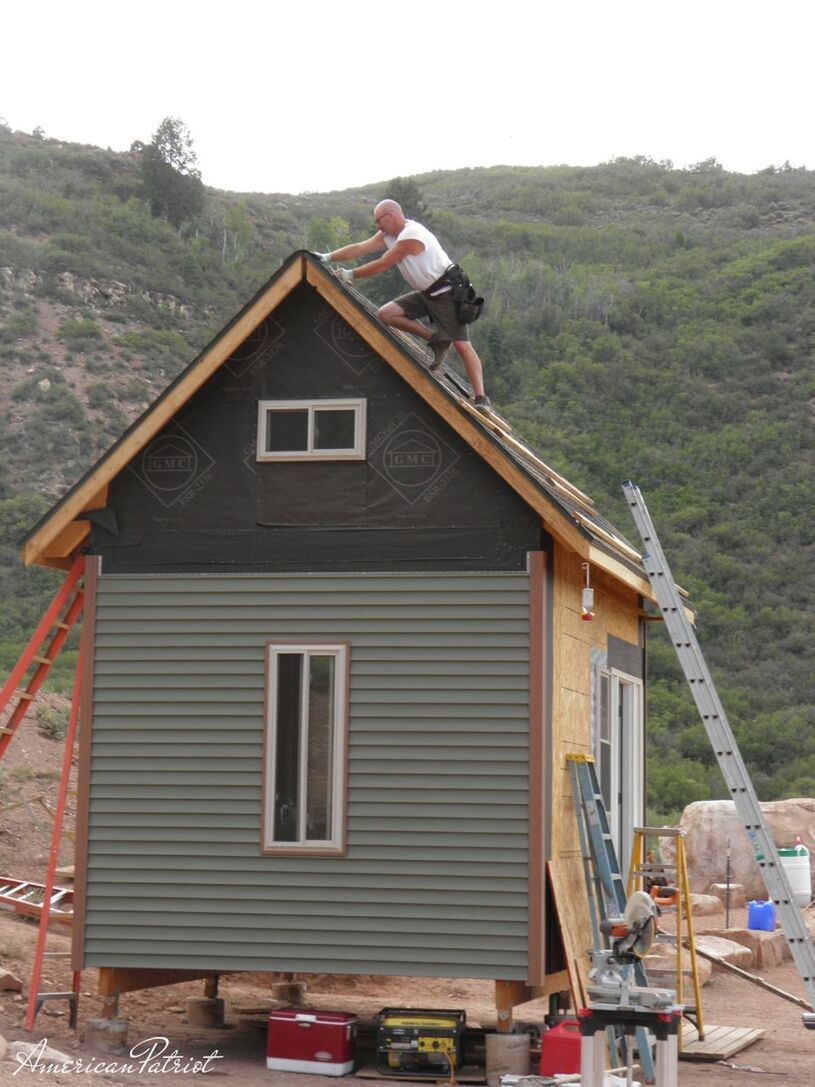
column 42, row 649
column 36, row 999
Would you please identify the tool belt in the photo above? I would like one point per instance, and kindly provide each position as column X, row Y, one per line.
column 456, row 280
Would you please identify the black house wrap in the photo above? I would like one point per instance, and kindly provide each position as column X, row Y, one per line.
column 197, row 499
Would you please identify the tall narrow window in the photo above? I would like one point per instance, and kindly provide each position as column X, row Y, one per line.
column 305, row 747
column 619, row 750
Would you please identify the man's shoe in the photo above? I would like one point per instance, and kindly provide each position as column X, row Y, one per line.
column 439, row 349
column 482, row 403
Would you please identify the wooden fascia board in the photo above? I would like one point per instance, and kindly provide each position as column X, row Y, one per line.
column 189, row 383
column 620, row 571
column 67, row 540
column 556, row 523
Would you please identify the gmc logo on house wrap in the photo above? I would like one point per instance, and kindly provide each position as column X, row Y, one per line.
column 411, row 457
column 173, row 466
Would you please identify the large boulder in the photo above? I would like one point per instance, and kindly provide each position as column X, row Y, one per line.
column 725, row 950
column 711, row 826
column 768, row 949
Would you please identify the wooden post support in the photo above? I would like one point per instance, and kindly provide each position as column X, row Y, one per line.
column 507, row 995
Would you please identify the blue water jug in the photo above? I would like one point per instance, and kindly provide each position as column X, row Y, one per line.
column 761, row 916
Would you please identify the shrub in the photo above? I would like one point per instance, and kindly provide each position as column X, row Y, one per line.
column 100, row 394
column 79, row 332
column 53, row 721
column 19, row 325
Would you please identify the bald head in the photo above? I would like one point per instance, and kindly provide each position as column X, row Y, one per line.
column 388, row 206
column 389, row 217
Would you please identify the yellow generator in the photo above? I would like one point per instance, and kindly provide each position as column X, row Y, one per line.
column 419, row 1041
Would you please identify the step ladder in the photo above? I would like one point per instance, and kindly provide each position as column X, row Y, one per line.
column 41, row 651
column 645, row 869
column 604, row 881
column 724, row 745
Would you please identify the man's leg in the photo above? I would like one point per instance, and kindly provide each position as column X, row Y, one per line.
column 472, row 364
column 394, row 316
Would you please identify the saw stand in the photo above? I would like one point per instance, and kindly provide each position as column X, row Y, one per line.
column 628, row 1008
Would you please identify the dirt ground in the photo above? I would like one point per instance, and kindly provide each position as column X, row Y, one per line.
column 785, row 1054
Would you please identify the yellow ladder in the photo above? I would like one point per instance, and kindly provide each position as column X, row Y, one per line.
column 644, row 870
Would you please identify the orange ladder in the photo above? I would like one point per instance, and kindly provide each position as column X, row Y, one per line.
column 36, row 999
column 41, row 651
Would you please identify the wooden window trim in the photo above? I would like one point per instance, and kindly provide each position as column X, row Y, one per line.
column 338, row 846
column 358, row 405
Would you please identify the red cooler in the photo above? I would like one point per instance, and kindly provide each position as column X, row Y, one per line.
column 305, row 1040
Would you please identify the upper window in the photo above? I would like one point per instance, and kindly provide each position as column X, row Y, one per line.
column 307, row 696
column 311, row 430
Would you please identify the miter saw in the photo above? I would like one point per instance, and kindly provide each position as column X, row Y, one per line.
column 618, row 1005
column 612, row 969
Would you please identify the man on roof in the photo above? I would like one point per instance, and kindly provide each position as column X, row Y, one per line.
column 424, row 264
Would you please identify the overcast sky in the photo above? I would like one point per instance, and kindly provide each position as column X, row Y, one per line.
column 316, row 96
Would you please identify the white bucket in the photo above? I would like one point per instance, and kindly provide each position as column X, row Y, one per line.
column 795, row 863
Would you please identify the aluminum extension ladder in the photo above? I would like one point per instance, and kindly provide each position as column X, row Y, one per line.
column 724, row 745
column 604, row 881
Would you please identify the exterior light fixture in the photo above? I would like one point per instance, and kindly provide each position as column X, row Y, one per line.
column 587, row 609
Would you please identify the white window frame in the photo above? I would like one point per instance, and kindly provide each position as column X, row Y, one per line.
column 303, row 845
column 357, row 452
column 626, row 804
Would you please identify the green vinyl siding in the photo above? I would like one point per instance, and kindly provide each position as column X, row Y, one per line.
column 434, row 880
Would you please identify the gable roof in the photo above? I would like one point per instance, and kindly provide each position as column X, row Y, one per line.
column 568, row 513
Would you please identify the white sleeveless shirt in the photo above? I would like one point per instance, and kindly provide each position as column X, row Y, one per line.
column 420, row 269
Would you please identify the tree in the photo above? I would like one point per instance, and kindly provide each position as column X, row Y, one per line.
column 409, row 196
column 169, row 169
column 237, row 233
column 325, row 235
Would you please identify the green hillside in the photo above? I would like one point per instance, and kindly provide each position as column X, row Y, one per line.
column 643, row 322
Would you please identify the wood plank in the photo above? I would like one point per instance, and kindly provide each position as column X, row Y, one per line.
column 719, row 1043
column 572, row 908
column 621, row 572
column 617, row 542
column 468, row 1073
column 93, row 567
column 67, row 540
column 165, row 408
column 129, row 979
column 553, row 478
column 539, row 787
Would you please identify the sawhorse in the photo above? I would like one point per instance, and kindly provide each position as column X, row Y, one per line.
column 663, row 1025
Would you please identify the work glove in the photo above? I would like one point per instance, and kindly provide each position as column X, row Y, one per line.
column 324, row 257
column 346, row 275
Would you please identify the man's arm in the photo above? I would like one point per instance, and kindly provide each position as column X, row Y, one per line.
column 358, row 249
column 408, row 247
